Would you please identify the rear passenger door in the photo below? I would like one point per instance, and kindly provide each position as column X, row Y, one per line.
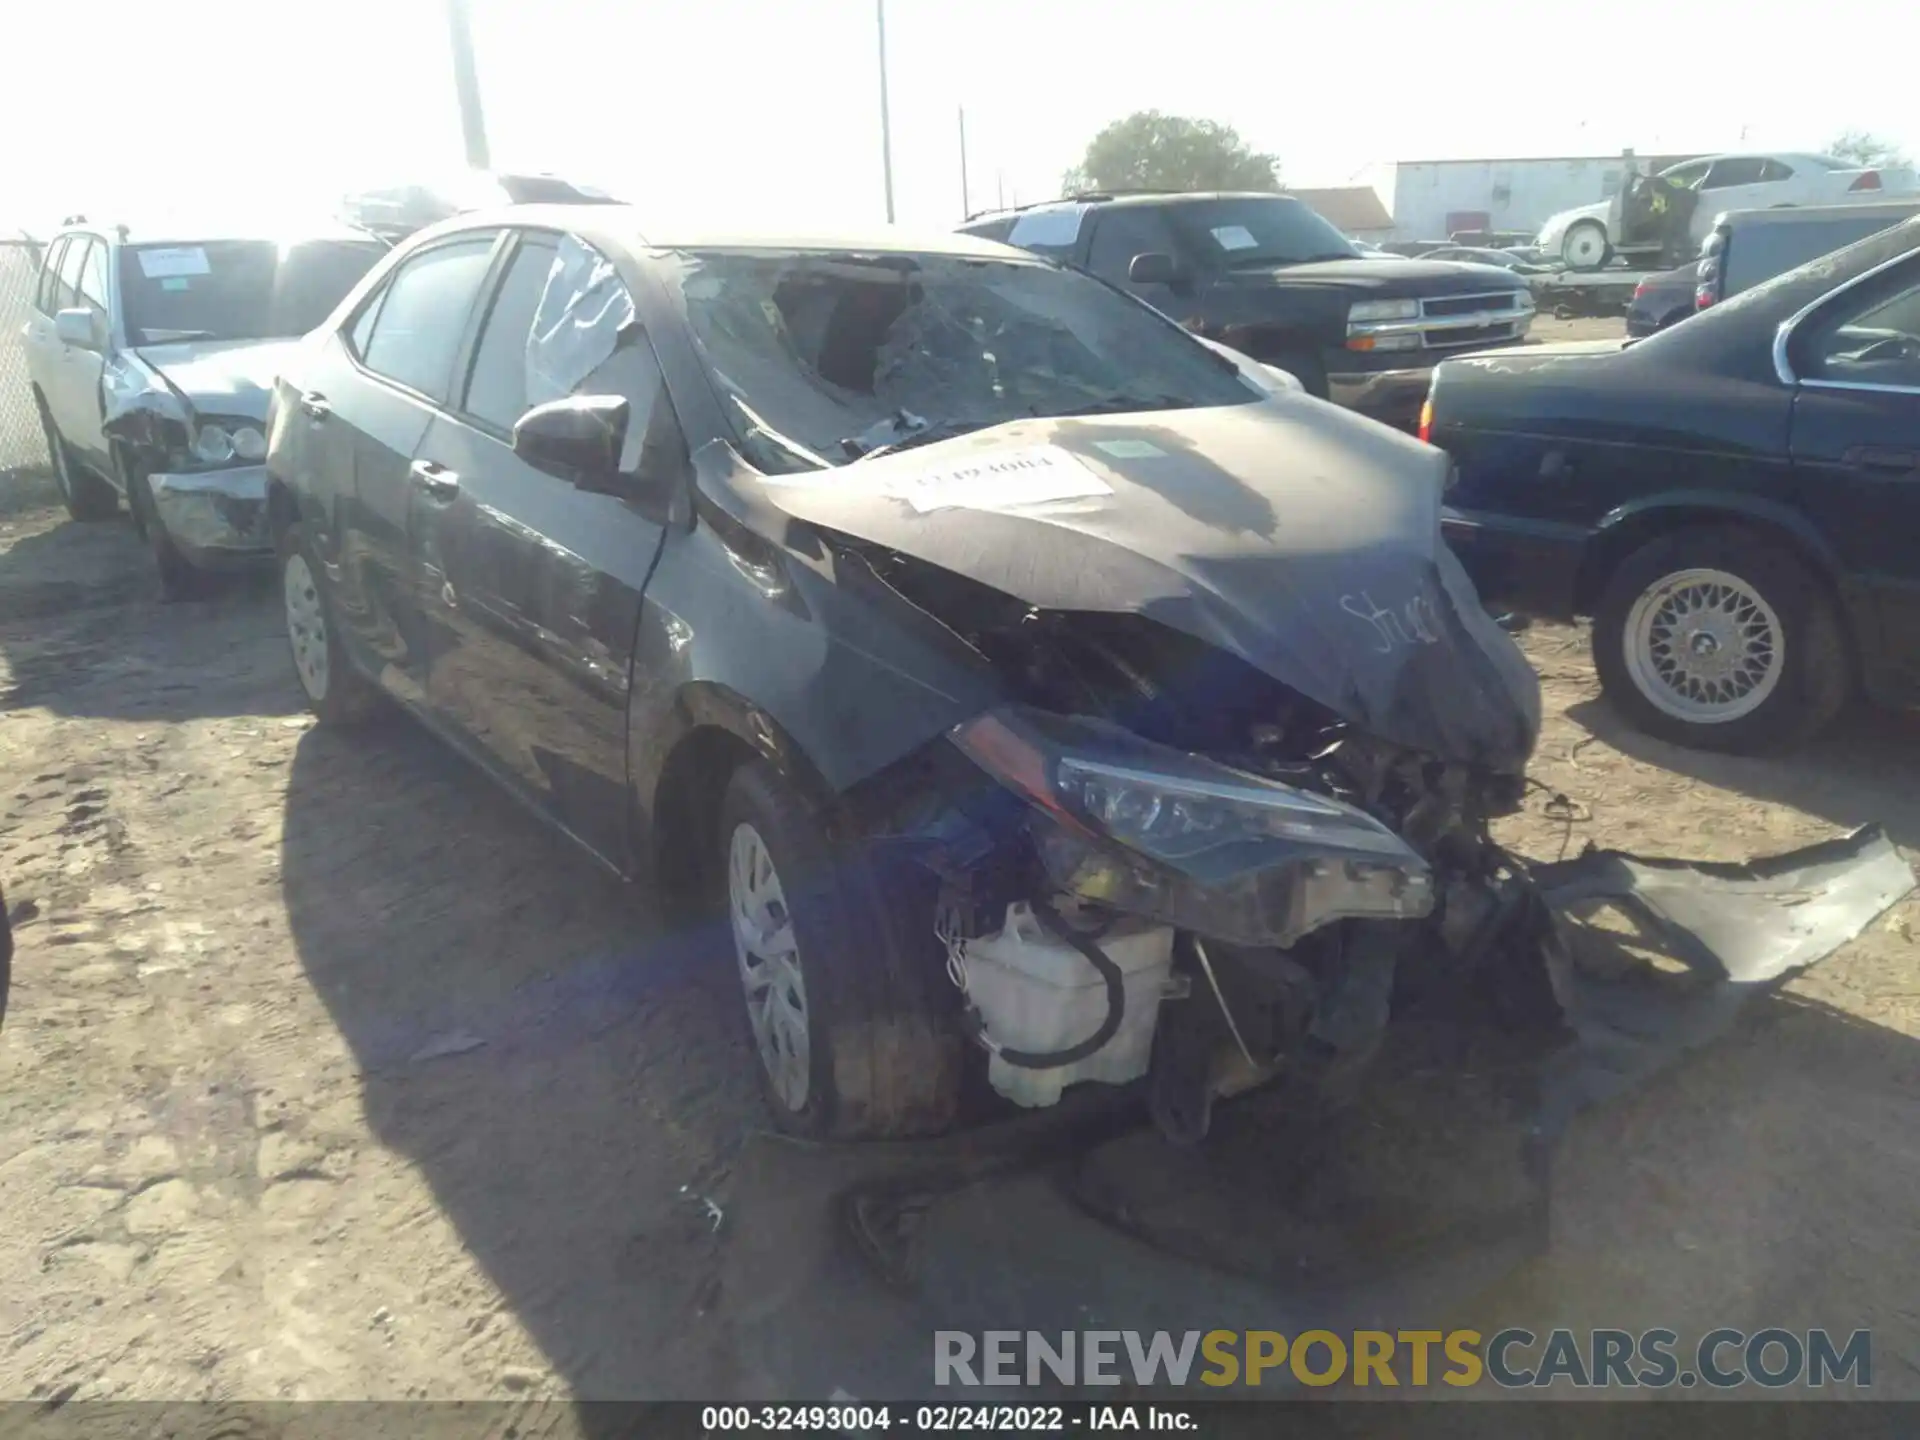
column 534, row 585
column 368, row 404
column 1856, row 447
column 43, row 351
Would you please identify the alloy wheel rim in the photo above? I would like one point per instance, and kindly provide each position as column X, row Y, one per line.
column 1704, row 646
column 1585, row 245
column 306, row 626
column 769, row 956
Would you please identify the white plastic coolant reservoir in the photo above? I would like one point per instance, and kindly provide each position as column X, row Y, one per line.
column 1038, row 994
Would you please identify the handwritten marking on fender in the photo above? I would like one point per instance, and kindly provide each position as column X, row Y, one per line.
column 1404, row 627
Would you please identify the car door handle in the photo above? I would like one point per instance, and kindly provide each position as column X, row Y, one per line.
column 1880, row 457
column 315, row 405
column 436, row 480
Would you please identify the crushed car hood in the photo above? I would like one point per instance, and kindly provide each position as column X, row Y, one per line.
column 221, row 377
column 1288, row 532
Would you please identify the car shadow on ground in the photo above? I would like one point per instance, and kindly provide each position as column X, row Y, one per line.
column 83, row 631
column 574, row 1085
column 1866, row 768
column 571, row 1081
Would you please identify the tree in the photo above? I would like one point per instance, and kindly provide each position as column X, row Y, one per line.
column 1865, row 151
column 1151, row 151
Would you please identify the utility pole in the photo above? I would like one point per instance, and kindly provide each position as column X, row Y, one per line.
column 466, row 84
column 886, row 127
column 966, row 204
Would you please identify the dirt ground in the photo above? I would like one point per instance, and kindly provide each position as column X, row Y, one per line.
column 330, row 1074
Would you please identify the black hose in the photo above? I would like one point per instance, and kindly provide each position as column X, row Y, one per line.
column 1108, row 1028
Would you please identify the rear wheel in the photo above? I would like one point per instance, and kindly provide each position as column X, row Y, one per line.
column 337, row 693
column 840, row 1002
column 1585, row 246
column 1720, row 639
column 85, row 494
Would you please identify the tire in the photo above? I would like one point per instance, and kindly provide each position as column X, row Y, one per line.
column 841, row 1010
column 1777, row 670
column 1584, row 241
column 87, row 497
column 180, row 578
column 337, row 693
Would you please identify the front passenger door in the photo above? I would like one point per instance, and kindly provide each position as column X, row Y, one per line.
column 534, row 585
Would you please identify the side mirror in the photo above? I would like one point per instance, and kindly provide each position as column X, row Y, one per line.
column 81, row 328
column 1154, row 268
column 578, row 438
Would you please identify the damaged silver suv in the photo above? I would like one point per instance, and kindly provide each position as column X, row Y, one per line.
column 1024, row 684
column 151, row 357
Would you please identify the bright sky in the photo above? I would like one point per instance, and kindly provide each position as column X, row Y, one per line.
column 765, row 112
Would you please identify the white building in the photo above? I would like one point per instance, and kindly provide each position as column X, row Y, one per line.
column 1433, row 199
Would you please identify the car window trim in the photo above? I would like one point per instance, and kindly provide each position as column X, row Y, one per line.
column 86, row 240
column 469, row 353
column 444, row 242
column 45, row 292
column 1783, row 336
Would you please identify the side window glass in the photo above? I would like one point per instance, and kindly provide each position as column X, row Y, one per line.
column 424, row 314
column 93, row 278
column 1725, row 173
column 497, row 387
column 586, row 340
column 1119, row 235
column 1053, row 232
column 46, row 294
column 1873, row 340
column 67, row 297
column 1774, row 170
column 1687, row 176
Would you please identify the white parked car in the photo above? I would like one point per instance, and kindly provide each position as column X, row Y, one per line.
column 1585, row 238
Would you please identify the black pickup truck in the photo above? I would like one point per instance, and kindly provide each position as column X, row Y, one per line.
column 1267, row 276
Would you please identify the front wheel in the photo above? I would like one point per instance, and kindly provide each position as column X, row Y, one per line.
column 180, row 578
column 1719, row 639
column 1585, row 246
column 840, row 1004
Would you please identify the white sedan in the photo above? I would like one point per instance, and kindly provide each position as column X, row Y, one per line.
column 1586, row 238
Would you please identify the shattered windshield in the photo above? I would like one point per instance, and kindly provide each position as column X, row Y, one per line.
column 1259, row 230
column 829, row 358
column 238, row 289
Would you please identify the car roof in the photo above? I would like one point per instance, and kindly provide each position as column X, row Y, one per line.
column 624, row 225
column 1132, row 197
column 191, row 231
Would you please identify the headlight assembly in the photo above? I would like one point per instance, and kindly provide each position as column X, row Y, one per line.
column 1158, row 832
column 1366, row 311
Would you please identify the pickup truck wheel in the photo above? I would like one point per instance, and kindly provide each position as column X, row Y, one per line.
column 841, row 1014
column 86, row 496
column 1585, row 246
column 1717, row 639
column 1304, row 367
column 337, row 693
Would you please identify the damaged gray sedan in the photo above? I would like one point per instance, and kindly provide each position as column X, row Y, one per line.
column 1033, row 689
column 151, row 355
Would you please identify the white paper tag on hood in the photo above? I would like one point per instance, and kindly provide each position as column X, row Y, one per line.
column 1002, row 480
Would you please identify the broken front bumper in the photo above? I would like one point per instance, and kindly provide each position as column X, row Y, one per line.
column 215, row 516
column 1727, row 931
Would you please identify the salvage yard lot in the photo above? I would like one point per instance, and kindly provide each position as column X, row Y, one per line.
column 329, row 1073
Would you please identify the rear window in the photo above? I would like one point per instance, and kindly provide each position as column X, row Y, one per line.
column 237, row 289
column 1757, row 253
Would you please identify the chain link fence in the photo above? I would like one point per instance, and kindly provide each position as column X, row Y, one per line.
column 24, row 474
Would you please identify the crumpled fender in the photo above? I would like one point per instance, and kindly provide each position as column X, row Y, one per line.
column 140, row 408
